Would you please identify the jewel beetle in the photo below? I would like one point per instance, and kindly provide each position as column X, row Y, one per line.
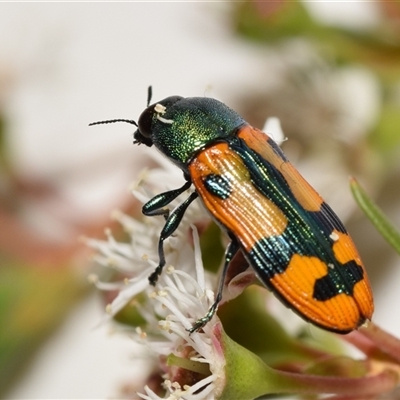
column 293, row 240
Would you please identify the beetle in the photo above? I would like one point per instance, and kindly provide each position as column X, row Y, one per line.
column 293, row 240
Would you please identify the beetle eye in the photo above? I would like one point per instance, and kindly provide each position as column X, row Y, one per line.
column 145, row 121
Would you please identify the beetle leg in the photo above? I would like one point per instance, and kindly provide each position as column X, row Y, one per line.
column 155, row 206
column 231, row 251
column 172, row 222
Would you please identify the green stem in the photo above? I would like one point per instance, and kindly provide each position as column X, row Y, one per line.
column 367, row 386
column 375, row 215
column 383, row 340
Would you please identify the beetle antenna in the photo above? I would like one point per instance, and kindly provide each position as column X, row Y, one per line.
column 149, row 95
column 111, row 121
column 129, row 121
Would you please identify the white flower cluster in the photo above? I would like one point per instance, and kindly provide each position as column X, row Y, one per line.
column 180, row 296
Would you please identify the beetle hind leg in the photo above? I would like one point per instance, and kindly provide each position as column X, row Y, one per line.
column 231, row 251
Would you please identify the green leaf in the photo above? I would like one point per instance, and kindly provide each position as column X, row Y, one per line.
column 375, row 215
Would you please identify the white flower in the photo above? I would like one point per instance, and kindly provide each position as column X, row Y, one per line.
column 180, row 297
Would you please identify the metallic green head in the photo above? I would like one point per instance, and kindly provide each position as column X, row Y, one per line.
column 180, row 127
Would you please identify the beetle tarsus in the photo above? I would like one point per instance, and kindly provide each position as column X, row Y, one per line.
column 200, row 323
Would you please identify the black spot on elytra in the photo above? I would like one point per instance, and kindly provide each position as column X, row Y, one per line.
column 340, row 279
column 218, row 185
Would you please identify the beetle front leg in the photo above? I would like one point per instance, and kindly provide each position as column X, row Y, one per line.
column 155, row 206
column 170, row 226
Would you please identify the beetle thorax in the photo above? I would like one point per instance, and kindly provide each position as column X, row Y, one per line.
column 181, row 130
